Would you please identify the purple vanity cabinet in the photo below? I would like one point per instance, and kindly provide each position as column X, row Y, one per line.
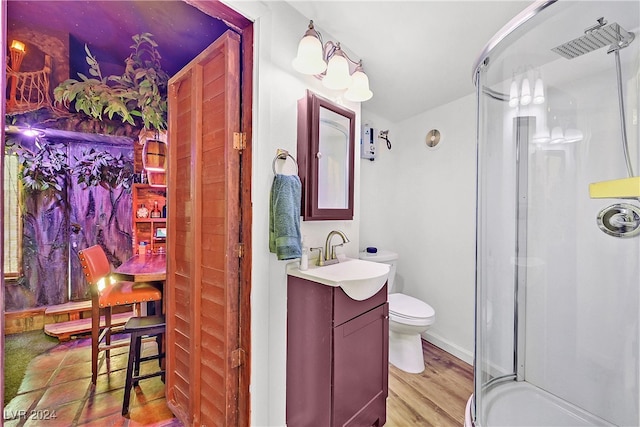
column 337, row 356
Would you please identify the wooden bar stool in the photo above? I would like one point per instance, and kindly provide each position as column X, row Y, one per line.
column 140, row 327
column 106, row 294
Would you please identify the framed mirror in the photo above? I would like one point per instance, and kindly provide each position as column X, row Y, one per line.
column 326, row 135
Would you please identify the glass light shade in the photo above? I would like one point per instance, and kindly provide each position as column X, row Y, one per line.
column 359, row 90
column 337, row 77
column 513, row 94
column 525, row 92
column 309, row 59
column 538, row 92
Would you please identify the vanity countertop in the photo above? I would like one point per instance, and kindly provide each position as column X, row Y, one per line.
column 359, row 279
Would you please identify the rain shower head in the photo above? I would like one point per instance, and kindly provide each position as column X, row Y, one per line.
column 594, row 38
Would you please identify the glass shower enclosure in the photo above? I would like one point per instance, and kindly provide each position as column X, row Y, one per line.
column 558, row 223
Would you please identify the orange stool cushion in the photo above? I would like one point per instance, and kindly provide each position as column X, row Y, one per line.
column 129, row 293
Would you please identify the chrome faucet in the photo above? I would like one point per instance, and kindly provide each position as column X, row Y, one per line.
column 330, row 257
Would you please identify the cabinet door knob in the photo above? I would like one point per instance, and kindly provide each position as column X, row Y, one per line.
column 319, row 155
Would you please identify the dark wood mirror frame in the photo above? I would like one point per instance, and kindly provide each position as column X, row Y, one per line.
column 309, row 111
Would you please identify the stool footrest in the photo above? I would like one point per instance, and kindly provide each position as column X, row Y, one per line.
column 146, row 376
column 147, row 358
column 114, row 344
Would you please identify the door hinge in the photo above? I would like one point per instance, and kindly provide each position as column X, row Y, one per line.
column 239, row 140
column 237, row 357
column 240, row 250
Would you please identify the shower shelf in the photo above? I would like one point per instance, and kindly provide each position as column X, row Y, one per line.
column 624, row 188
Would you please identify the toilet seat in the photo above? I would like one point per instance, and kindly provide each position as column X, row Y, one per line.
column 410, row 311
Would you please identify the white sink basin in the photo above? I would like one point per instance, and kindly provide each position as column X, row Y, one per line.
column 358, row 278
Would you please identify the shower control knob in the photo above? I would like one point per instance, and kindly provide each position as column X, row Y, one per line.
column 620, row 220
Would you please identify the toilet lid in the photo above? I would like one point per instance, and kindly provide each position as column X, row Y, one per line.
column 406, row 306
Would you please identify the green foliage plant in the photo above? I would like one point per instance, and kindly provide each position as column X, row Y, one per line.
column 104, row 169
column 43, row 169
column 47, row 168
column 138, row 97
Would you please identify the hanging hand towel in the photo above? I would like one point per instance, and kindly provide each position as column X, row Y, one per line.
column 284, row 217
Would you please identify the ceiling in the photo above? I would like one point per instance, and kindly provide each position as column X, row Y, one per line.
column 180, row 30
column 418, row 54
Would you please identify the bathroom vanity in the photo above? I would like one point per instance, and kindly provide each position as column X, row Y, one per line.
column 337, row 355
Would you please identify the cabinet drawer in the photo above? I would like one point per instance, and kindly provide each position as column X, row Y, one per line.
column 345, row 308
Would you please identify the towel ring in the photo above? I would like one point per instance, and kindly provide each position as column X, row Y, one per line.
column 282, row 155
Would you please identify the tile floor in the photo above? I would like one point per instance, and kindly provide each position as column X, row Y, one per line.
column 57, row 391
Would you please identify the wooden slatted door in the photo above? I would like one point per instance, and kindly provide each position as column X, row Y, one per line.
column 203, row 237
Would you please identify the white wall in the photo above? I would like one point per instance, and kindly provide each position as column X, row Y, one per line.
column 420, row 202
column 277, row 30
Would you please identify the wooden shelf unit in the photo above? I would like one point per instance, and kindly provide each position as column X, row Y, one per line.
column 146, row 229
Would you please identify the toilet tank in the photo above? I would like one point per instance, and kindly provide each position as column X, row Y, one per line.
column 385, row 257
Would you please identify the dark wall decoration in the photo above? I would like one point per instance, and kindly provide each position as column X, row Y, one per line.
column 59, row 223
column 44, row 247
column 98, row 216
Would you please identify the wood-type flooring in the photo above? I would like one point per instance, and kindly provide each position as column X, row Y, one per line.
column 436, row 397
column 59, row 381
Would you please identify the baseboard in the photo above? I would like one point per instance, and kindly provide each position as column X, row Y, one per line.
column 449, row 347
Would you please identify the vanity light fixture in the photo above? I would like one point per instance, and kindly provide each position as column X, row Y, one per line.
column 520, row 94
column 359, row 88
column 330, row 63
column 309, row 59
column 337, row 76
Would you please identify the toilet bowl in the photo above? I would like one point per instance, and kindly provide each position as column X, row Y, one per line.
column 409, row 317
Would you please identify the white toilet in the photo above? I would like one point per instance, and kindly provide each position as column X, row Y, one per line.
column 408, row 318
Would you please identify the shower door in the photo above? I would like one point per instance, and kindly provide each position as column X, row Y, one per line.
column 557, row 299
